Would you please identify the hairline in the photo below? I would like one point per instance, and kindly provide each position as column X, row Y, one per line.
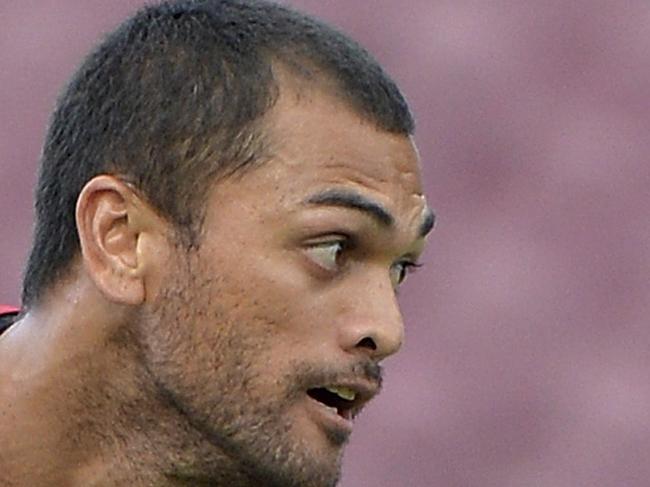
column 287, row 80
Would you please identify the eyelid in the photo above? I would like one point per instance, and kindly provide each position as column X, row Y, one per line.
column 329, row 237
column 409, row 260
column 412, row 260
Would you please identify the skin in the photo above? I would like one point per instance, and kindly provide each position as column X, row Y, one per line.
column 152, row 364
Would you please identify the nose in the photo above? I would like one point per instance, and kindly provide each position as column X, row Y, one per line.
column 372, row 323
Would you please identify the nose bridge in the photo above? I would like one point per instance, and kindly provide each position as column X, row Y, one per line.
column 373, row 321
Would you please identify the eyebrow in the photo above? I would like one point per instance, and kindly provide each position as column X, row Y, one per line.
column 428, row 223
column 352, row 199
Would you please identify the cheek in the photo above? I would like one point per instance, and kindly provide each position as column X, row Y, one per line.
column 203, row 343
column 271, row 290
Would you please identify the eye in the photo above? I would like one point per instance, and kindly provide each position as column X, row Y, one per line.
column 400, row 271
column 327, row 254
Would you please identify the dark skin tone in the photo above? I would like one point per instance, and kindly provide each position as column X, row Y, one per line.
column 152, row 364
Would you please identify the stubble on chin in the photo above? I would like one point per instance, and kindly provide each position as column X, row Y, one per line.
column 208, row 367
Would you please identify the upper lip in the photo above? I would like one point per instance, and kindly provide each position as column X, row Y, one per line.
column 364, row 390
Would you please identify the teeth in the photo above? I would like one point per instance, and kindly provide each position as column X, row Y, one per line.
column 331, row 409
column 343, row 392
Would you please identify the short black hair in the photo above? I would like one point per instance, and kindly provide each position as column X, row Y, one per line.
column 174, row 98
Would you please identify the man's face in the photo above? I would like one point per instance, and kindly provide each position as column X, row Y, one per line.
column 292, row 292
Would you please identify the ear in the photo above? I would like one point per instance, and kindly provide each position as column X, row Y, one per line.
column 115, row 226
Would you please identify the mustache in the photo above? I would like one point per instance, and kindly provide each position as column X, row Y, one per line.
column 305, row 376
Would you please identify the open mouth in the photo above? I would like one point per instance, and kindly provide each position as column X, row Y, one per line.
column 341, row 400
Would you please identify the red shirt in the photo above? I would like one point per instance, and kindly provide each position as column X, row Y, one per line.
column 7, row 315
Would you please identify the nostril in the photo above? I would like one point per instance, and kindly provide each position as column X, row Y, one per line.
column 368, row 343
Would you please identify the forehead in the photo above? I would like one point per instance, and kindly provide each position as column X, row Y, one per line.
column 316, row 141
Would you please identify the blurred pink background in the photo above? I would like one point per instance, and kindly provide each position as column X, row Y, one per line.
column 527, row 360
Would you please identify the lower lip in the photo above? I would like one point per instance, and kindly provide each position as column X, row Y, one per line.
column 329, row 419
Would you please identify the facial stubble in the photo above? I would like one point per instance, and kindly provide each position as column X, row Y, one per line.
column 208, row 365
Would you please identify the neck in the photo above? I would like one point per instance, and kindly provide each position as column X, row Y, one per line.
column 81, row 408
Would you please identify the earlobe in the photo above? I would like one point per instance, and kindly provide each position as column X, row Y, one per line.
column 108, row 223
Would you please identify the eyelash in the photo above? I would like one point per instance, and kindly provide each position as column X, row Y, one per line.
column 408, row 267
